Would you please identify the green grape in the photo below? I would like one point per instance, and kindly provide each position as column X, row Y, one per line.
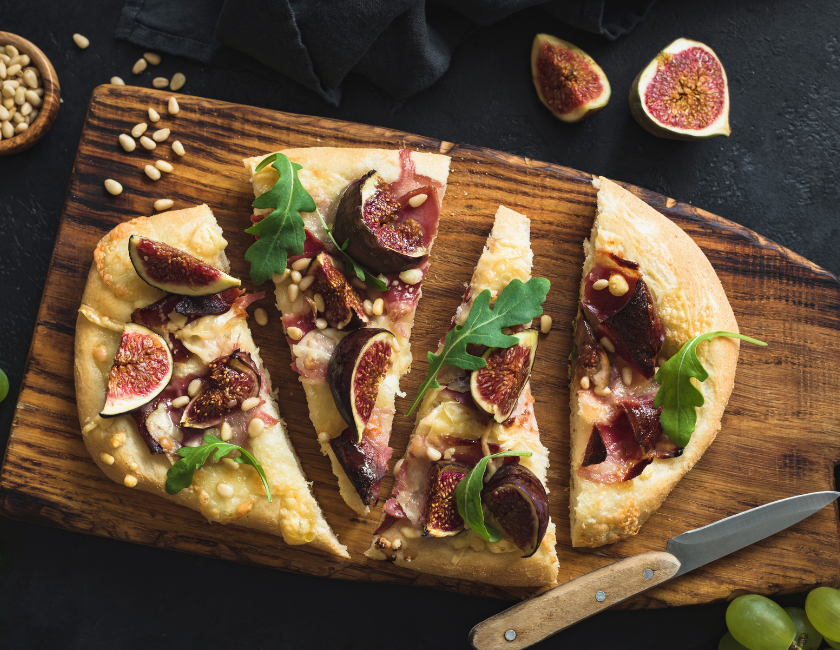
column 4, row 385
column 823, row 608
column 759, row 623
column 728, row 642
column 804, row 627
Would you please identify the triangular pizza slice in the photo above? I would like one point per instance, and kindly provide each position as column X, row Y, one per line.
column 173, row 397
column 506, row 536
column 647, row 291
column 348, row 311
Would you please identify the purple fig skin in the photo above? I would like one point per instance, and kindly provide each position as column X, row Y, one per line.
column 364, row 246
column 206, row 409
column 343, row 367
column 342, row 305
column 442, row 517
column 515, row 492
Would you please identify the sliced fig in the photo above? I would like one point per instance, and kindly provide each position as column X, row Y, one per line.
column 683, row 93
column 342, row 304
column 591, row 359
column 364, row 461
column 568, row 80
column 232, row 379
column 172, row 270
column 517, row 500
column 356, row 370
column 142, row 368
column 442, row 518
column 496, row 387
column 368, row 216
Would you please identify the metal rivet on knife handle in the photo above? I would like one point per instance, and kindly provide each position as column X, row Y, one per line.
column 510, row 635
column 600, row 596
column 648, row 574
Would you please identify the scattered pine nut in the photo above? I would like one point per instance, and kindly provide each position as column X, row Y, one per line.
column 607, row 344
column 277, row 278
column 584, row 382
column 256, row 427
column 163, row 166
column 294, row 333
column 261, row 316
column 367, row 305
column 113, row 187
column 323, row 437
column 152, row 58
column 318, row 299
column 292, row 292
column 127, row 142
column 148, row 143
column 160, row 82
column 130, row 481
column 160, row 135
column 598, row 285
column 229, row 462
column 117, row 81
column 178, row 148
column 618, row 285
column 626, row 376
column 139, row 66
column 152, row 172
column 226, row 432
column 321, row 323
column 164, row 204
column 417, row 200
column 299, row 265
column 154, row 116
column 545, row 323
column 194, row 387
column 411, row 276
column 378, row 307
column 296, row 276
column 433, row 454
column 178, row 81
column 225, row 491
column 181, row 401
column 250, row 403
column 106, row 458
column 306, row 282
column 81, row 41
column 139, row 129
column 172, row 106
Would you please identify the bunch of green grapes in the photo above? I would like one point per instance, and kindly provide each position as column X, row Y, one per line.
column 757, row 623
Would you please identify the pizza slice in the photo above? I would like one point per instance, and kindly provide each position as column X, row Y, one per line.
column 652, row 320
column 367, row 220
column 173, row 397
column 470, row 498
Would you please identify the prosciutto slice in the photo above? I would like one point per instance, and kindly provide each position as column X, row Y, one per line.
column 365, row 462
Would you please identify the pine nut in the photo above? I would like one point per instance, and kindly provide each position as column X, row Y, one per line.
column 8, row 102
column 180, row 402
column 318, row 299
column 8, row 130
column 602, row 392
column 106, row 458
column 226, row 432
column 225, row 491
column 194, row 387
column 139, row 129
column 117, row 81
column 229, row 462
column 411, row 276
column 154, row 116
column 34, row 70
column 367, row 305
column 277, row 278
column 294, row 333
column 26, row 109
column 296, row 276
column 256, row 427
column 33, row 98
column 178, row 148
column 607, row 344
column 321, row 323
column 306, row 282
column 20, row 95
column 152, row 172
column 160, row 135
column 34, row 114
column 172, row 106
column 299, row 265
column 545, row 324
column 178, row 81
column 292, row 292
column 417, row 200
column 2, row 69
column 17, row 118
column 12, row 51
column 14, row 60
column 4, row 114
column 81, row 41
column 148, row 143
column 39, row 92
column 261, row 316
column 163, row 166
column 626, row 376
column 250, row 403
column 12, row 70
column 24, row 60
column 378, row 307
column 598, row 285
column 30, row 79
column 160, row 82
column 164, row 204
column 584, row 383
column 323, row 437
column 139, row 66
column 113, row 187
column 127, row 142
column 433, row 454
column 130, row 481
column 21, row 127
column 152, row 58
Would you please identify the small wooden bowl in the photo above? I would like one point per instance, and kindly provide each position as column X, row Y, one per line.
column 48, row 110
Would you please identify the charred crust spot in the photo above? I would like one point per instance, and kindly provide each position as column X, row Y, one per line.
column 627, row 264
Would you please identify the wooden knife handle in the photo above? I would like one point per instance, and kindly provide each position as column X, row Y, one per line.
column 535, row 619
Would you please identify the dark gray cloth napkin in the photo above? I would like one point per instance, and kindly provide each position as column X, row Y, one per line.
column 402, row 46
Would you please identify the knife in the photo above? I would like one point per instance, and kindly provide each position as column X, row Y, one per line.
column 538, row 618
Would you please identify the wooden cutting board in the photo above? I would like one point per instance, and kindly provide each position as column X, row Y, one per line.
column 781, row 431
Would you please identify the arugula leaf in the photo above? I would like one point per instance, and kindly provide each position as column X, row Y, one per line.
column 352, row 265
column 516, row 305
column 468, row 497
column 282, row 231
column 677, row 396
column 180, row 475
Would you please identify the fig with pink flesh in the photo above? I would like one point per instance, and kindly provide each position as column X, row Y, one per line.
column 442, row 518
column 355, row 372
column 368, row 217
column 342, row 305
column 683, row 93
column 172, row 270
column 496, row 387
column 568, row 80
column 517, row 501
column 589, row 358
column 232, row 379
column 142, row 368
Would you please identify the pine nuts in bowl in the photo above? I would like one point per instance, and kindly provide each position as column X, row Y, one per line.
column 33, row 90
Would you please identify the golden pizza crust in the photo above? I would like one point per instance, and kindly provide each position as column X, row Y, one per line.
column 112, row 292
column 689, row 300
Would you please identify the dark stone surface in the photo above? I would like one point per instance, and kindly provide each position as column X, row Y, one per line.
column 777, row 174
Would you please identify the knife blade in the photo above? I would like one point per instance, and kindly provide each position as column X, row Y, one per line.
column 535, row 619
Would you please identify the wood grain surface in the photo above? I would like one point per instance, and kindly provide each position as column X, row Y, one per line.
column 781, row 431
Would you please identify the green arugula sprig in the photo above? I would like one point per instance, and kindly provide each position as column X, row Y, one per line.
column 468, row 497
column 516, row 305
column 677, row 396
column 353, row 266
column 180, row 475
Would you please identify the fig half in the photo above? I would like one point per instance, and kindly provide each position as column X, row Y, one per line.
column 683, row 93
column 442, row 518
column 368, row 217
column 516, row 499
column 342, row 305
column 356, row 370
column 172, row 270
column 233, row 379
column 567, row 79
column 496, row 387
column 142, row 368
